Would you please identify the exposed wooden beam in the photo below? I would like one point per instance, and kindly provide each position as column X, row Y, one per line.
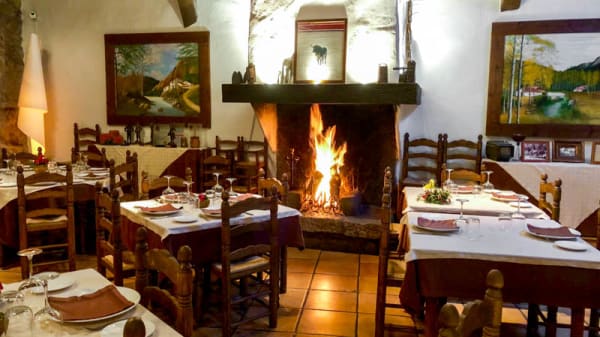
column 188, row 12
column 508, row 5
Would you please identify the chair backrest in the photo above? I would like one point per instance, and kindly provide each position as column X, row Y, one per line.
column 173, row 305
column 54, row 205
column 108, row 232
column 92, row 157
column 462, row 176
column 84, row 137
column 554, row 189
column 125, row 177
column 254, row 151
column 214, row 164
column 266, row 185
column 153, row 187
column 384, row 251
column 244, row 240
column 228, row 148
column 422, row 158
column 463, row 154
column 479, row 315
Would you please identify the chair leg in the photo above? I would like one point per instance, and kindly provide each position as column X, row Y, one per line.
column 593, row 327
column 532, row 320
column 380, row 310
column 551, row 321
column 283, row 277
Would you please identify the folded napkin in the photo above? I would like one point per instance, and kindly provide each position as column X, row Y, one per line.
column 161, row 208
column 561, row 231
column 244, row 196
column 436, row 224
column 465, row 189
column 101, row 303
column 509, row 197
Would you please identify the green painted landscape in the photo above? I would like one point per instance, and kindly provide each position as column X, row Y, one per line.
column 551, row 79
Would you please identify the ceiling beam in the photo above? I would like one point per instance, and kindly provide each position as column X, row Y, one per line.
column 187, row 8
column 508, row 5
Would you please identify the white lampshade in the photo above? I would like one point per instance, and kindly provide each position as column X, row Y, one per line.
column 32, row 97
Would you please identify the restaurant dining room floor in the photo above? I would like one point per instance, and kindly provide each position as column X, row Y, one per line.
column 331, row 294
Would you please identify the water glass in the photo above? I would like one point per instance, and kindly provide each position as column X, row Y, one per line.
column 477, row 189
column 10, row 298
column 505, row 221
column 210, row 195
column 473, row 228
column 52, row 167
column 20, row 321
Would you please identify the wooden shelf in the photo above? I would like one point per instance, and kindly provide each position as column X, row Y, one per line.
column 373, row 93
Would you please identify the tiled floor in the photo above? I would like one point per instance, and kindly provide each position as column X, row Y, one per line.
column 329, row 294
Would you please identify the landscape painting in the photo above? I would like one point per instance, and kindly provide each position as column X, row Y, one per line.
column 545, row 79
column 158, row 78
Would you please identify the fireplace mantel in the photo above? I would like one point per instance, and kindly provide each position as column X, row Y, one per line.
column 330, row 93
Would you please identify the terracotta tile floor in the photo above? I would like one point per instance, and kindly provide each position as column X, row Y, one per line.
column 329, row 294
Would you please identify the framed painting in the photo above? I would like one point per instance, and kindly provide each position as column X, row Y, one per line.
column 570, row 151
column 158, row 78
column 535, row 150
column 320, row 51
column 596, row 153
column 544, row 79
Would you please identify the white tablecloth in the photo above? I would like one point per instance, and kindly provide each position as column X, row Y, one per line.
column 580, row 186
column 476, row 204
column 513, row 245
column 88, row 279
column 167, row 225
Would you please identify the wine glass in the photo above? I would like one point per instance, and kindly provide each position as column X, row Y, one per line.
column 218, row 188
column 488, row 185
column 231, row 180
column 188, row 183
column 448, row 183
column 31, row 282
column 518, row 138
column 168, row 190
column 462, row 201
column 47, row 310
column 518, row 214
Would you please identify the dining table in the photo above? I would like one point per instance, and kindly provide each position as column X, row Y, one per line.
column 451, row 262
column 201, row 230
column 88, row 281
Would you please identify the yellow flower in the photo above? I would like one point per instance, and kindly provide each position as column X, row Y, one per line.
column 429, row 185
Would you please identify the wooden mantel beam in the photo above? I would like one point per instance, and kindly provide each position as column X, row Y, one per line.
column 507, row 5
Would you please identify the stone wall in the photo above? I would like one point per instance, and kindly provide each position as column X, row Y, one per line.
column 11, row 70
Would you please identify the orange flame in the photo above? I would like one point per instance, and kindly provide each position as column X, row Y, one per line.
column 328, row 158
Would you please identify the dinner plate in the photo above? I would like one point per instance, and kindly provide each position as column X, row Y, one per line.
column 571, row 245
column 503, row 198
column 130, row 294
column 490, row 191
column 185, row 219
column 44, row 183
column 524, row 204
column 116, row 328
column 7, row 184
column 96, row 169
column 59, row 283
column 555, row 237
column 211, row 212
column 443, row 230
column 161, row 212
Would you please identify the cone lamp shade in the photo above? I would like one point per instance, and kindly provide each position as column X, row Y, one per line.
column 32, row 97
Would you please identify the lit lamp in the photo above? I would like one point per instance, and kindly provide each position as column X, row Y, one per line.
column 32, row 97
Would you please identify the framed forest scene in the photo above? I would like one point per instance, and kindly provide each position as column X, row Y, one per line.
column 544, row 79
column 158, row 78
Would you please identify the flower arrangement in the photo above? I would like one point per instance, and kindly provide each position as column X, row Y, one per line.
column 433, row 194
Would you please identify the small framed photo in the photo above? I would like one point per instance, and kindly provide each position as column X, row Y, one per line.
column 596, row 153
column 535, row 150
column 569, row 151
column 320, row 51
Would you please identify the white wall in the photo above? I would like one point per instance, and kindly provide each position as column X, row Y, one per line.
column 451, row 48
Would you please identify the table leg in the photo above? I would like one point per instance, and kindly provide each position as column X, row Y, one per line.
column 577, row 318
column 432, row 311
column 532, row 320
column 283, row 278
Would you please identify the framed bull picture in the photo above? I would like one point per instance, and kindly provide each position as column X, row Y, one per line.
column 320, row 52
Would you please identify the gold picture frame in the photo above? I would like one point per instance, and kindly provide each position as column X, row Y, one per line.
column 568, row 151
column 595, row 153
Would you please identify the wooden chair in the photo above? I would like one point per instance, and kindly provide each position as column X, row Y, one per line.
column 243, row 256
column 84, row 137
column 228, row 148
column 124, row 177
column 46, row 219
column 93, row 158
column 153, row 188
column 214, row 164
column 421, row 161
column 391, row 267
column 23, row 157
column 265, row 186
column 165, row 283
column 552, row 208
column 479, row 317
column 462, row 176
column 111, row 252
column 463, row 154
column 252, row 157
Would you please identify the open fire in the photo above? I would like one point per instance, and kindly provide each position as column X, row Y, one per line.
column 325, row 183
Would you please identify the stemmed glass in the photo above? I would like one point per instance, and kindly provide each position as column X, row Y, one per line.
column 218, row 188
column 31, row 282
column 35, row 282
column 462, row 201
column 449, row 184
column 168, row 190
column 518, row 138
column 188, row 183
column 231, row 180
column 518, row 214
column 488, row 185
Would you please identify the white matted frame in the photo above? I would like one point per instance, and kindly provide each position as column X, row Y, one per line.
column 535, row 150
column 569, row 151
column 320, row 51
